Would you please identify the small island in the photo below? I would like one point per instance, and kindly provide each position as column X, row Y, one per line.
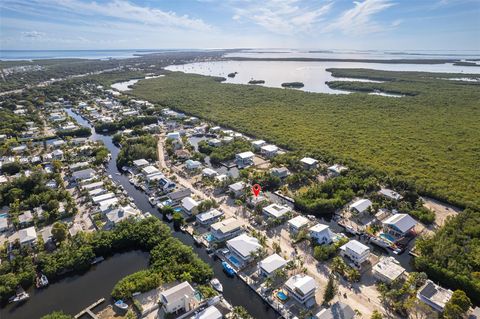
column 256, row 82
column 232, row 75
column 296, row 85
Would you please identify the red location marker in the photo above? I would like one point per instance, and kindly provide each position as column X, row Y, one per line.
column 256, row 189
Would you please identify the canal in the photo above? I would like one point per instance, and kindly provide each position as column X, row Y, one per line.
column 73, row 298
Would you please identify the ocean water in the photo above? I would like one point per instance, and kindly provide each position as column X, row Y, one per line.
column 12, row 55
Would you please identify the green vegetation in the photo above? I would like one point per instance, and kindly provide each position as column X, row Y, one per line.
column 458, row 306
column 138, row 147
column 57, row 315
column 325, row 252
column 79, row 132
column 429, row 140
column 225, row 152
column 450, row 257
column 128, row 122
column 330, row 290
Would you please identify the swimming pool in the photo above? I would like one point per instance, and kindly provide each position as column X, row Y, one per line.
column 234, row 261
column 209, row 237
column 178, row 209
column 388, row 237
column 282, row 295
column 5, row 215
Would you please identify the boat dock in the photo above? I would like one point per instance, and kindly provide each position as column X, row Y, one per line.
column 88, row 311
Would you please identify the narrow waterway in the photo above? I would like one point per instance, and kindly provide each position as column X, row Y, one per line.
column 72, row 294
column 235, row 290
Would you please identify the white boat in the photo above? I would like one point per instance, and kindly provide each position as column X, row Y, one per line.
column 19, row 297
column 97, row 260
column 121, row 305
column 216, row 284
column 42, row 281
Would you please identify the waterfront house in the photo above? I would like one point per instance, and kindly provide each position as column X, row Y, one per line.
column 210, row 312
column 271, row 264
column 107, row 205
column 192, row 165
column 244, row 159
column 321, row 234
column 178, row 298
column 302, row 288
column 258, row 144
column 360, row 206
column 92, row 186
column 434, row 295
column 275, row 211
column 209, row 173
column 399, row 225
column 388, row 269
column 140, row 163
column 27, row 236
column 357, row 252
column 269, row 151
column 150, row 170
column 338, row 310
column 226, row 228
column 190, row 206
column 100, row 198
column 77, row 166
column 337, row 169
column 280, row 172
column 237, row 189
column 177, row 196
column 209, row 217
column 297, row 223
column 309, row 163
column 83, row 175
column 243, row 246
column 390, row 194
column 214, row 142
column 117, row 215
column 165, row 184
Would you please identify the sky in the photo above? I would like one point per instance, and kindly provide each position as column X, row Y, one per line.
column 312, row 24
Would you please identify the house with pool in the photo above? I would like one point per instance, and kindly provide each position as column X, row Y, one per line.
column 321, row 234
column 398, row 226
column 241, row 249
column 302, row 288
column 226, row 229
column 178, row 298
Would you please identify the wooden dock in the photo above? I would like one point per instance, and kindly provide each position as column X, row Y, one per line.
column 88, row 310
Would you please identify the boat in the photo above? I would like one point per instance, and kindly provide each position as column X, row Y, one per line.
column 42, row 281
column 97, row 260
column 216, row 284
column 118, row 173
column 21, row 296
column 121, row 305
column 228, row 269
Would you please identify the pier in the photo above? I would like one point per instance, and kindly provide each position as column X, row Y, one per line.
column 88, row 310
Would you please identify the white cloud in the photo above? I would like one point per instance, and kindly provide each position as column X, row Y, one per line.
column 280, row 16
column 33, row 34
column 358, row 20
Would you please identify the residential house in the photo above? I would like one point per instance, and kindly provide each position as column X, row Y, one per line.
column 243, row 246
column 357, row 252
column 150, row 170
column 275, row 211
column 177, row 196
column 388, row 269
column 177, row 298
column 92, row 186
column 192, row 165
column 244, row 159
column 209, row 217
column 190, row 206
column 302, row 288
column 269, row 151
column 399, row 225
column 237, row 189
column 434, row 295
column 120, row 214
column 174, row 136
column 27, row 236
column 140, row 163
column 208, row 172
column 57, row 155
column 100, row 198
column 321, row 234
column 214, row 142
column 297, row 223
column 226, row 228
column 338, row 310
column 309, row 163
column 258, row 144
column 337, row 169
column 360, row 206
column 83, row 175
column 390, row 194
column 165, row 184
column 271, row 264
column 210, row 312
column 4, row 226
column 25, row 218
column 280, row 172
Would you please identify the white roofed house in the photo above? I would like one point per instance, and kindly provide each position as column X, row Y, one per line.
column 390, row 194
column 214, row 142
column 280, row 172
column 140, row 163
column 321, row 234
column 174, row 136
column 83, row 175
column 210, row 312
column 178, row 298
column 120, row 214
column 243, row 247
column 25, row 218
column 258, row 144
column 269, row 150
column 269, row 265
column 190, row 206
column 309, row 163
column 150, row 170
column 209, row 173
column 361, row 206
column 297, row 223
column 388, row 269
column 192, row 165
column 237, row 189
column 244, row 159
column 27, row 236
column 209, row 217
column 337, row 169
column 357, row 252
column 399, row 225
column 226, row 228
column 434, row 295
column 275, row 211
column 302, row 288
column 57, row 155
